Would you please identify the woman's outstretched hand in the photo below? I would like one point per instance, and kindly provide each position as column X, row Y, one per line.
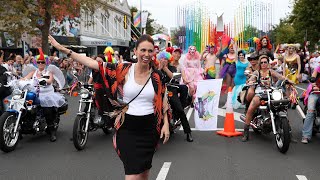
column 55, row 44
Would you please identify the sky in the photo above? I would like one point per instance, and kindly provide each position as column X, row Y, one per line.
column 163, row 11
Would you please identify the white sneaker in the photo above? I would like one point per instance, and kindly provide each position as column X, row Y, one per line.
column 304, row 140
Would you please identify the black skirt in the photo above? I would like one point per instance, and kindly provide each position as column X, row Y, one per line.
column 136, row 142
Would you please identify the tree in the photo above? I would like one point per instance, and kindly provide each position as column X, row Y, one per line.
column 305, row 19
column 33, row 16
column 180, row 31
column 283, row 33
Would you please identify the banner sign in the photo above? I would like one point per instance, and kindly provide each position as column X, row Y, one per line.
column 206, row 104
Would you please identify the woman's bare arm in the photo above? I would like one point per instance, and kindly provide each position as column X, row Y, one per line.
column 77, row 57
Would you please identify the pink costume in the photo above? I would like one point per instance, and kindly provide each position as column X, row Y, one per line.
column 192, row 68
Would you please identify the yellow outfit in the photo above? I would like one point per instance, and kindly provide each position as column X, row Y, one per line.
column 292, row 63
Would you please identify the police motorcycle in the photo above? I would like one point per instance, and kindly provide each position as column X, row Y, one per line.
column 24, row 114
column 171, row 93
column 316, row 121
column 271, row 115
column 87, row 119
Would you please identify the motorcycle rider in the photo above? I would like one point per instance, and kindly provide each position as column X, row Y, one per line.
column 50, row 101
column 101, row 97
column 167, row 69
column 312, row 100
column 264, row 77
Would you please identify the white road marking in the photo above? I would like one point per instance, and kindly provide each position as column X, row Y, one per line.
column 164, row 171
column 301, row 177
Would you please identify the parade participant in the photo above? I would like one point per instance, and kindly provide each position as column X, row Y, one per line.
column 292, row 61
column 176, row 105
column 211, row 58
column 264, row 47
column 192, row 71
column 311, row 101
column 49, row 100
column 228, row 70
column 203, row 56
column 239, row 79
column 9, row 64
column 145, row 106
column 101, row 97
column 254, row 65
column 108, row 52
column 266, row 74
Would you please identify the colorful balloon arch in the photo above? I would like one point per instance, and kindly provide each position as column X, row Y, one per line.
column 252, row 19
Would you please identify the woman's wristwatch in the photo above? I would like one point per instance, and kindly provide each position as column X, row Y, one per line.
column 69, row 54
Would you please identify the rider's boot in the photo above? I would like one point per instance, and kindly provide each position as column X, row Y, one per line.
column 53, row 134
column 245, row 136
column 189, row 137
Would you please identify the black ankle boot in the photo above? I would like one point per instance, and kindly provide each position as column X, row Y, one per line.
column 53, row 136
column 189, row 137
column 245, row 136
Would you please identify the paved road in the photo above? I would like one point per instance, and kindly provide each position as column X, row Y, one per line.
column 208, row 157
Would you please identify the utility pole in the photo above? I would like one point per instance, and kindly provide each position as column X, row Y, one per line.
column 141, row 17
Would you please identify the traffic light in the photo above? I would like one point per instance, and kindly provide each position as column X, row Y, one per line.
column 125, row 22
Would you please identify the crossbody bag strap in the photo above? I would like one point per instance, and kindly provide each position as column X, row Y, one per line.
column 140, row 90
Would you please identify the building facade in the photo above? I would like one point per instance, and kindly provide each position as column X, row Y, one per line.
column 106, row 27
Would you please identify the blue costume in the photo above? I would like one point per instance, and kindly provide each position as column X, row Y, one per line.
column 239, row 82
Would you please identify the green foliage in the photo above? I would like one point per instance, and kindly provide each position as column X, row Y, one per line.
column 181, row 31
column 21, row 16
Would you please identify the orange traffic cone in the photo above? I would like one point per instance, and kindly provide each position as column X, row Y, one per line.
column 229, row 127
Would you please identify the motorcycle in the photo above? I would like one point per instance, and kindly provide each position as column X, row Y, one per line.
column 24, row 114
column 271, row 115
column 87, row 119
column 172, row 93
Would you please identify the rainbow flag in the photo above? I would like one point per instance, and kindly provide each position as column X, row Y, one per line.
column 136, row 19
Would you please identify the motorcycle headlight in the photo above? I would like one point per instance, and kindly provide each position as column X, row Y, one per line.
column 16, row 94
column 84, row 93
column 276, row 95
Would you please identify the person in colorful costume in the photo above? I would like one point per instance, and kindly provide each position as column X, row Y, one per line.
column 264, row 47
column 311, row 100
column 239, row 79
column 192, row 71
column 108, row 52
column 210, row 61
column 292, row 61
column 228, row 70
column 49, row 100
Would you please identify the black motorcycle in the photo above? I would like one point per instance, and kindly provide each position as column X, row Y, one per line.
column 24, row 116
column 271, row 116
column 87, row 119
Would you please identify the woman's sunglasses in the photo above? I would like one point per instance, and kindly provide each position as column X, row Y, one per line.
column 41, row 62
column 264, row 62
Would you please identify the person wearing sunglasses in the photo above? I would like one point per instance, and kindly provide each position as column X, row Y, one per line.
column 263, row 76
column 49, row 100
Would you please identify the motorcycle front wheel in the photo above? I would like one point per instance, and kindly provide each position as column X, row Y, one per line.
column 283, row 135
column 8, row 139
column 80, row 137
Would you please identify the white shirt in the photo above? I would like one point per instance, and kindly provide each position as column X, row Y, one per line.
column 143, row 104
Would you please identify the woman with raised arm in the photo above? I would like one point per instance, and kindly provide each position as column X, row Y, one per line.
column 146, row 119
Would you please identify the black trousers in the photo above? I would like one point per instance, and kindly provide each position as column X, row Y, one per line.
column 178, row 109
column 51, row 114
column 183, row 91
